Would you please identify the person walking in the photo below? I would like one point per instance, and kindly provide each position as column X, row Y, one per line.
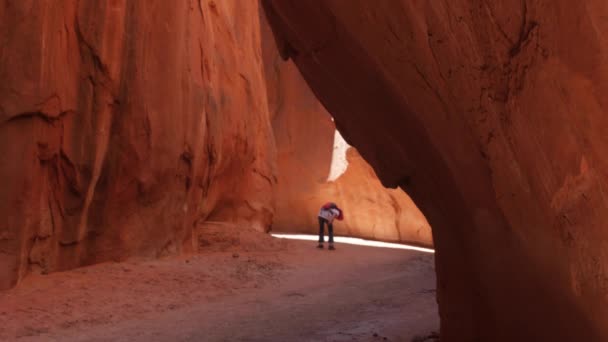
column 327, row 214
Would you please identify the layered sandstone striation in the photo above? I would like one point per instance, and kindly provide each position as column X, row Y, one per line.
column 492, row 117
column 123, row 124
column 315, row 165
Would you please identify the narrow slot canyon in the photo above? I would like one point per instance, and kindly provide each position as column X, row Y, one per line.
column 164, row 163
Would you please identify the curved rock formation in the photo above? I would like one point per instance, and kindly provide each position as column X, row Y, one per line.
column 123, row 123
column 491, row 116
column 315, row 165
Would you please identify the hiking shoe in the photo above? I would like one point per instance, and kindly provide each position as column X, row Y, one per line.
column 320, row 246
column 332, row 248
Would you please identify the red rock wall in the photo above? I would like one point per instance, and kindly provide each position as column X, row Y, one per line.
column 123, row 124
column 491, row 116
column 307, row 149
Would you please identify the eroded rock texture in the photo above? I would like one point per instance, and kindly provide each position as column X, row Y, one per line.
column 315, row 166
column 123, row 124
column 491, row 115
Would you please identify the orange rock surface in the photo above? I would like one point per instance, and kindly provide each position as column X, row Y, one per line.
column 491, row 115
column 123, row 124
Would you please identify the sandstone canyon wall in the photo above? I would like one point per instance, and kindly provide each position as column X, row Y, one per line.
column 128, row 128
column 123, row 124
column 491, row 115
column 315, row 165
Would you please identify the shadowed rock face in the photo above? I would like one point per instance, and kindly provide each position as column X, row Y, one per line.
column 123, row 123
column 315, row 166
column 491, row 116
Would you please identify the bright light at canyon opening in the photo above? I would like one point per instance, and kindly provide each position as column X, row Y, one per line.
column 355, row 241
column 339, row 164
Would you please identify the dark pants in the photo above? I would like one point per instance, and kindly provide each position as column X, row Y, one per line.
column 330, row 230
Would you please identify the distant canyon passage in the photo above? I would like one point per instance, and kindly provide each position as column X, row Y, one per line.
column 315, row 165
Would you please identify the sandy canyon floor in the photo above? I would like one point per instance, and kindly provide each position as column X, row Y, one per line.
column 289, row 291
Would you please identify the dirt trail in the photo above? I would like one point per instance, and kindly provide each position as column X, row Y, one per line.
column 290, row 292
